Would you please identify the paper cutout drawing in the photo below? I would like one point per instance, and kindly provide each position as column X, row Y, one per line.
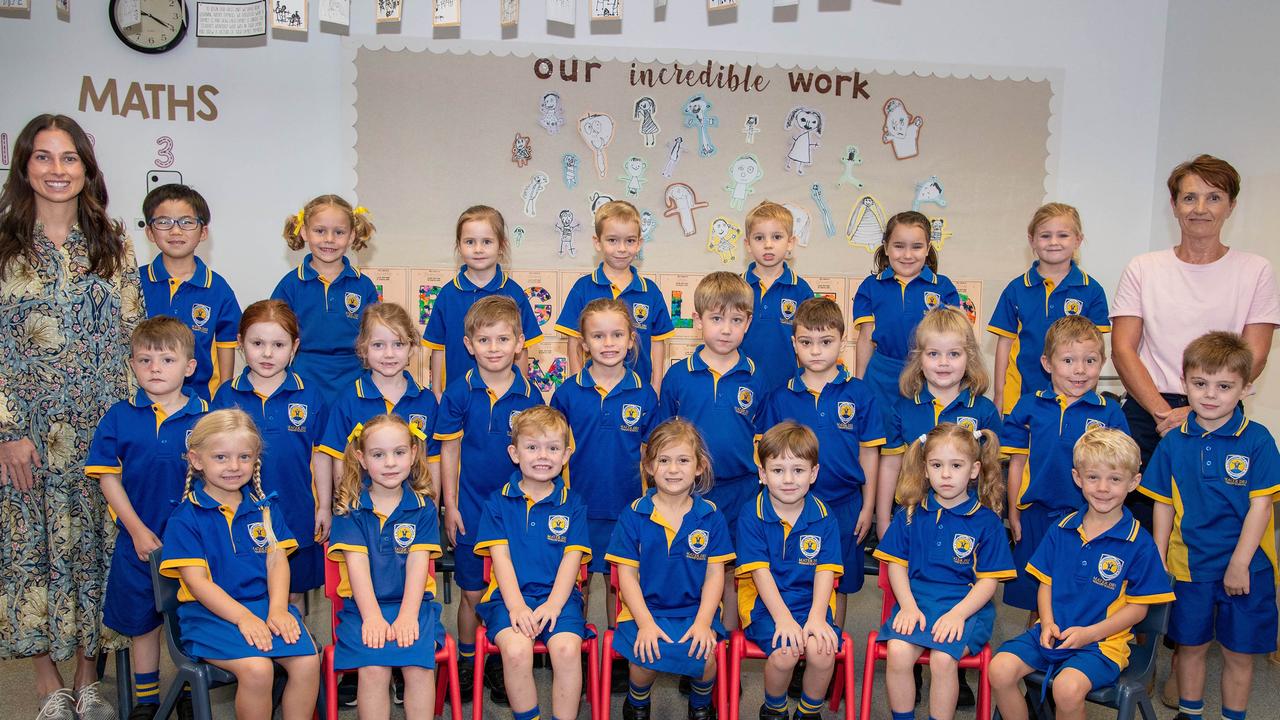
column 530, row 194
column 521, row 150
column 633, row 174
column 809, row 124
column 901, row 129
column 929, row 191
column 750, row 128
column 799, row 223
column 673, row 156
column 722, row 239
column 697, row 114
column 643, row 112
column 820, row 199
column 681, row 202
column 648, row 223
column 743, row 173
column 606, row 9
column 851, row 159
column 938, row 232
column 551, row 111
column 866, row 224
column 567, row 226
column 596, row 200
column 517, row 235
column 596, row 130
column 509, row 13
column 569, row 165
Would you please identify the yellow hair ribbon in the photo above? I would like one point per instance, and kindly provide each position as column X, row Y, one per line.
column 416, row 431
column 360, row 210
column 299, row 222
column 355, row 433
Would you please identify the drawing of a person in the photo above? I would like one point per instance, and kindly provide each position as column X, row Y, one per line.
column 644, row 110
column 809, row 122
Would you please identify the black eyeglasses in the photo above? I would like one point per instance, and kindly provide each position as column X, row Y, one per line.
column 166, row 223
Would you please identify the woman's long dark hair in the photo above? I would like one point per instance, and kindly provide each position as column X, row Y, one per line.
column 18, row 204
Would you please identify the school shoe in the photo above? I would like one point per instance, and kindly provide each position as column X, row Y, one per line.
column 348, row 687
column 706, row 712
column 90, row 705
column 185, row 710
column 466, row 678
column 397, row 686
column 767, row 714
column 797, row 681
column 620, row 681
column 686, row 685
column 496, row 682
column 966, row 698
column 806, row 716
column 144, row 711
column 635, row 712
column 58, row 705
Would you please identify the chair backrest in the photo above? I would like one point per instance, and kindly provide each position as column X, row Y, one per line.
column 165, row 590
column 617, row 592
column 1142, row 656
column 886, row 591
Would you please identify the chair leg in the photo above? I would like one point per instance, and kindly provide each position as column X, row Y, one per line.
column 200, row 704
column 735, row 674
column 984, row 684
column 1125, row 706
column 170, row 699
column 593, row 681
column 477, row 689
column 124, row 683
column 850, row 673
column 722, row 677
column 1145, row 707
column 868, row 677
column 455, row 692
column 606, row 673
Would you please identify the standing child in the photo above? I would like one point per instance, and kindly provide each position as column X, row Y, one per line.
column 789, row 558
column 618, row 241
column 1099, row 572
column 178, row 283
column 1054, row 287
column 385, row 533
column 290, row 414
column 326, row 291
column 474, row 428
column 891, row 301
column 670, row 618
column 777, row 292
column 952, row 492
column 481, row 241
column 534, row 529
column 226, row 543
column 1038, row 435
column 1213, row 481
column 137, row 457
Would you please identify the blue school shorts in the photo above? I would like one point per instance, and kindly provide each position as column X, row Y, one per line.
column 1036, row 520
column 851, row 552
column 1089, row 660
column 129, row 606
column 600, row 532
column 1203, row 611
column 730, row 495
column 468, row 568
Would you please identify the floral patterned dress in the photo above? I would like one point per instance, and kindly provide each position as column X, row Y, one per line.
column 64, row 348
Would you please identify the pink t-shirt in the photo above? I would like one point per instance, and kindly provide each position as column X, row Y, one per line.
column 1178, row 302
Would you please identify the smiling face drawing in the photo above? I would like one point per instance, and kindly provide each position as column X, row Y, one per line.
column 597, row 130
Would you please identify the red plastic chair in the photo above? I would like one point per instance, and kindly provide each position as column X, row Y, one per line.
column 877, row 650
column 446, row 657
column 607, row 652
column 589, row 646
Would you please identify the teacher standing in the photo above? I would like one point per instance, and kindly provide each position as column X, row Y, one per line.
column 69, row 299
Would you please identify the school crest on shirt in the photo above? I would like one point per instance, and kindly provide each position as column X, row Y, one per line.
column 1072, row 306
column 258, row 534
column 845, row 410
column 404, row 533
column 1237, row 467
column 1109, row 568
column 810, row 546
column 698, row 540
column 297, row 414
column 200, row 314
column 558, row 525
column 967, row 422
column 186, row 440
column 630, row 415
column 788, row 309
column 745, row 398
column 932, row 300
column 639, row 313
column 419, row 421
column 1092, row 424
column 511, row 419
column 352, row 302
column 962, row 546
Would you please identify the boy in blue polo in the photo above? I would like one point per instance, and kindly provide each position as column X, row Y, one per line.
column 1224, row 471
column 1099, row 571
column 178, row 283
column 777, row 292
column 618, row 241
column 1038, row 436
column 535, row 531
column 474, row 429
column 138, row 458
column 789, row 559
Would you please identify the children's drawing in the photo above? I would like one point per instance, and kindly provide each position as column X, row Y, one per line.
column 929, row 191
column 551, row 111
column 562, row 11
column 569, row 165
column 567, row 226
column 850, row 159
column 743, row 174
column 389, row 10
column 938, row 232
column 800, row 222
column 338, row 12
column 820, row 199
column 721, row 4
column 595, row 200
column 673, row 156
column 606, row 9
column 643, row 112
column 697, row 114
column 681, row 202
column 750, row 128
column 723, row 238
column 517, row 235
column 596, row 130
column 865, row 228
column 807, row 124
column 509, row 13
column 448, row 13
column 521, row 150
column 289, row 15
column 633, row 175
column 530, row 194
column 648, row 223
column 901, row 129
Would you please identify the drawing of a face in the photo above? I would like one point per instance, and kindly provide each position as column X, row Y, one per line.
column 522, row 145
column 571, row 162
column 634, row 166
column 816, row 191
column 745, row 169
column 597, row 130
column 647, row 220
column 566, row 217
column 550, row 102
column 645, row 105
column 540, row 181
column 896, row 119
column 752, row 121
column 697, row 107
column 930, row 191
column 720, row 228
column 681, row 195
column 808, row 119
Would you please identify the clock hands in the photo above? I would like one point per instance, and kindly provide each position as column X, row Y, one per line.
column 153, row 17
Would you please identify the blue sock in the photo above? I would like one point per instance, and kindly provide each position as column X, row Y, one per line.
column 1229, row 714
column 637, row 695
column 777, row 703
column 700, row 693
column 908, row 715
column 466, row 650
column 808, row 705
column 1191, row 708
column 146, row 688
column 531, row 714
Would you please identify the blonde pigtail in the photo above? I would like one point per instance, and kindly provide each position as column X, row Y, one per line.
column 257, row 480
column 991, row 483
column 348, row 490
column 293, row 230
column 362, row 228
column 913, row 479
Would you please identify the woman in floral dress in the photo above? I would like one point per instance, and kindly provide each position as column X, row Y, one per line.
column 69, row 299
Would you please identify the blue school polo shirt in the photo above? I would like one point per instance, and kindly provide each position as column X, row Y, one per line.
column 648, row 312
column 1046, row 429
column 948, row 546
column 672, row 561
column 328, row 321
column 1024, row 312
column 474, row 414
column 291, row 421
column 896, row 309
column 537, row 534
column 914, row 416
column 446, row 327
column 363, row 400
column 231, row 545
column 607, row 430
column 147, row 448
column 206, row 304
column 1093, row 578
column 768, row 339
column 724, row 408
column 793, row 555
column 1209, row 477
column 846, row 417
column 413, row 526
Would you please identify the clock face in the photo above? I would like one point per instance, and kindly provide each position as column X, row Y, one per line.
column 162, row 24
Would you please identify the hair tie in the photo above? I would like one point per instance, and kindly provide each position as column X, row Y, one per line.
column 977, row 435
column 355, row 433
column 299, row 221
column 360, row 210
column 922, row 437
column 416, row 431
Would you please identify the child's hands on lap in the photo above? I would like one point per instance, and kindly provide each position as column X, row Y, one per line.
column 907, row 620
column 789, row 635
column 255, row 632
column 1048, row 634
column 820, row 630
column 1074, row 638
column 284, row 624
column 404, row 630
column 703, row 640
column 948, row 628
column 545, row 615
column 523, row 621
column 375, row 632
column 647, row 639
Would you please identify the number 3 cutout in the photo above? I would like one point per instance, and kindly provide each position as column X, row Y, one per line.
column 164, row 155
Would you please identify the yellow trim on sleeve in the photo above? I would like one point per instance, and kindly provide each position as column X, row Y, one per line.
column 1014, row 450
column 432, row 548
column 1164, row 499
column 96, row 470
column 616, row 560
column 722, row 559
column 1103, row 328
column 169, row 568
column 329, row 451
column 288, row 546
column 1045, row 579
column 901, row 449
column 445, row 437
column 998, row 574
column 335, row 551
column 836, row 568
column 664, row 336
column 530, row 343
column 434, row 346
column 878, row 442
column 1263, row 492
column 1001, row 332
column 1156, row 599
column 749, row 567
column 567, row 331
column 882, row 555
column 586, row 552
column 484, row 546
column 225, row 344
column 433, row 458
column 864, row 319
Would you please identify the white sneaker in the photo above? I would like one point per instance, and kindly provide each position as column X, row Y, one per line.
column 90, row 705
column 58, row 705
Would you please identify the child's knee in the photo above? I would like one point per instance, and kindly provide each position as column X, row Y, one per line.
column 472, row 597
column 564, row 648
column 816, row 657
column 1005, row 670
column 255, row 674
column 414, row 675
column 900, row 654
column 516, row 649
column 1069, row 688
column 783, row 659
column 375, row 674
column 1237, row 662
column 941, row 662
